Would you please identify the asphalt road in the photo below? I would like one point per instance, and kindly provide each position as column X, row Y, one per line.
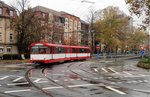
column 93, row 78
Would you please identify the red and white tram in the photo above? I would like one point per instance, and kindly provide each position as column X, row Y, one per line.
column 50, row 53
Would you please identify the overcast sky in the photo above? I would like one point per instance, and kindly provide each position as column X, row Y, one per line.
column 76, row 7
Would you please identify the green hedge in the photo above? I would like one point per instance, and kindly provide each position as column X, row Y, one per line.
column 10, row 56
column 14, row 56
column 144, row 63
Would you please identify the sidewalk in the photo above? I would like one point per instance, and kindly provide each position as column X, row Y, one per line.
column 9, row 62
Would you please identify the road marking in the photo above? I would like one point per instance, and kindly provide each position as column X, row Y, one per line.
column 104, row 70
column 4, row 77
column 71, row 86
column 60, row 87
column 42, row 82
column 95, row 70
column 113, row 70
column 37, row 80
column 115, row 90
column 140, row 81
column 18, row 84
column 95, row 78
column 127, row 73
column 14, row 91
column 18, row 79
column 144, row 91
column 145, row 80
column 56, row 80
column 48, row 88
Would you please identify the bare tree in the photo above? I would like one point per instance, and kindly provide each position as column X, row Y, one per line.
column 90, row 19
column 25, row 24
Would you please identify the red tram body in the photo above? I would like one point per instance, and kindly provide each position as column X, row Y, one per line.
column 50, row 53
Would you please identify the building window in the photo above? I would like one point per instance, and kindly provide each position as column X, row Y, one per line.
column 1, row 49
column 1, row 11
column 11, row 37
column 9, row 49
column 0, row 36
column 11, row 13
column 44, row 15
column 1, row 22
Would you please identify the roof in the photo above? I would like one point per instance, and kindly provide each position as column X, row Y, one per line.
column 2, row 4
column 82, row 21
column 62, row 12
column 46, row 10
column 58, row 45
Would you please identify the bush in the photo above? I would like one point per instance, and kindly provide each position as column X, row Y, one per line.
column 10, row 56
column 27, row 55
column 144, row 63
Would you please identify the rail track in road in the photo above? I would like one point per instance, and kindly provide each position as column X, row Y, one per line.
column 75, row 79
column 34, row 85
column 92, row 76
column 11, row 95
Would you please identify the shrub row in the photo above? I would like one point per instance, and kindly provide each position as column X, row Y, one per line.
column 14, row 56
column 144, row 63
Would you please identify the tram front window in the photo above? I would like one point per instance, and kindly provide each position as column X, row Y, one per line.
column 39, row 50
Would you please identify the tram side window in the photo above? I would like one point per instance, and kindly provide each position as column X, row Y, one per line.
column 42, row 50
column 35, row 50
column 73, row 50
column 59, row 50
column 68, row 50
column 81, row 50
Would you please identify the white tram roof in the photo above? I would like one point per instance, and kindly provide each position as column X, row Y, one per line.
column 58, row 45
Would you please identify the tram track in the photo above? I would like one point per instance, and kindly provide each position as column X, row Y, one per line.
column 64, row 86
column 100, row 83
column 35, row 86
column 104, row 84
column 9, row 94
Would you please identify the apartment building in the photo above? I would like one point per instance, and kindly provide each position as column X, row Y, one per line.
column 85, row 36
column 72, row 29
column 53, row 22
column 8, row 38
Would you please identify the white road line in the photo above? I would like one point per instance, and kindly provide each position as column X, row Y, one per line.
column 71, row 86
column 134, row 81
column 113, row 70
column 145, row 80
column 56, row 80
column 14, row 91
column 4, row 77
column 18, row 79
column 18, row 84
column 42, row 82
column 127, row 73
column 140, row 81
column 146, row 91
column 104, row 70
column 37, row 80
column 48, row 88
column 95, row 78
column 95, row 70
column 115, row 90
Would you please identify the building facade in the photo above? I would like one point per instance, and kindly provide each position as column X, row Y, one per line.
column 72, row 29
column 85, row 36
column 8, row 38
column 54, row 25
